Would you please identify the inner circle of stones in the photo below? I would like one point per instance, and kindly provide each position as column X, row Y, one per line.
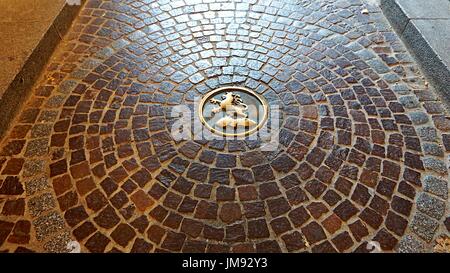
column 215, row 192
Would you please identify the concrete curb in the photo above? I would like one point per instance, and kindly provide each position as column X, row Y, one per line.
column 19, row 89
column 424, row 26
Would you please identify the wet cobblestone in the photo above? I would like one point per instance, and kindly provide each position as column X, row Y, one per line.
column 362, row 135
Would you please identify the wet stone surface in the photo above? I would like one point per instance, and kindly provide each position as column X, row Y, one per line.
column 363, row 140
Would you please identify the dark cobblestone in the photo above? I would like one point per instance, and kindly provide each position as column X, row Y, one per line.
column 361, row 134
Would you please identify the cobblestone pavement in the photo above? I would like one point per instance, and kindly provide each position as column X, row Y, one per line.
column 364, row 141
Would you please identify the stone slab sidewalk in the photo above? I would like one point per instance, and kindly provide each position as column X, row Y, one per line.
column 424, row 26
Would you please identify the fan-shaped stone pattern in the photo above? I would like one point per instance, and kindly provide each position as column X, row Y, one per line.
column 359, row 131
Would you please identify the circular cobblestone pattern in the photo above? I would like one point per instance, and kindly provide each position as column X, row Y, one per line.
column 363, row 140
column 233, row 112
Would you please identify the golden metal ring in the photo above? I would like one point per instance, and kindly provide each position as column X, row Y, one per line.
column 213, row 93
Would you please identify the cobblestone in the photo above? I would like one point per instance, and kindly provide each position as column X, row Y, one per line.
column 435, row 165
column 436, row 186
column 361, row 135
column 410, row 245
column 424, row 226
column 40, row 204
column 431, row 206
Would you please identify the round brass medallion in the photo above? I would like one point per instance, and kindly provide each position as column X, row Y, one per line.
column 233, row 111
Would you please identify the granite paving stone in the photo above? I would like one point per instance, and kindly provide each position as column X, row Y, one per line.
column 362, row 150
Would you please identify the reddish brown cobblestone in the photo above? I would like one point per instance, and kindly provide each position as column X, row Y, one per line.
column 363, row 151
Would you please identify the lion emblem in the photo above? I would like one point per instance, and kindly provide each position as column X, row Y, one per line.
column 235, row 109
